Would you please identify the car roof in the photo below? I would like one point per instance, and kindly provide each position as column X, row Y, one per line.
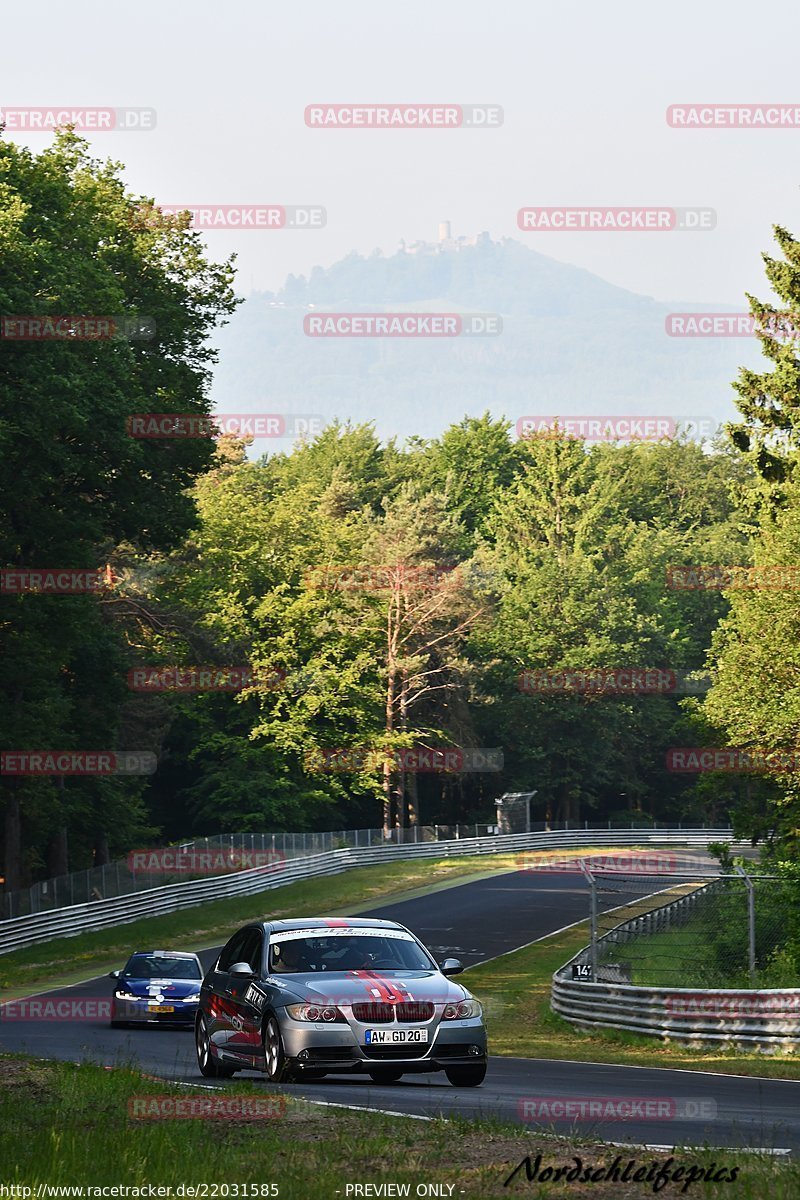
column 164, row 953
column 328, row 923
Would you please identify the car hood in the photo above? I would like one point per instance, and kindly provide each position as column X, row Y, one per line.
column 364, row 987
column 172, row 989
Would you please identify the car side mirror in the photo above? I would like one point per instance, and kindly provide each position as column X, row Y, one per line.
column 241, row 969
column 114, row 974
column 451, row 966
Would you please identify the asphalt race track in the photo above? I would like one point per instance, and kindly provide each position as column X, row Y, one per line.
column 477, row 921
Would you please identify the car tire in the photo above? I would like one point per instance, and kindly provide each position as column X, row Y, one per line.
column 385, row 1075
column 209, row 1069
column 276, row 1065
column 469, row 1076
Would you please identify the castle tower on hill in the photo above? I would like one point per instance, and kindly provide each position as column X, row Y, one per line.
column 446, row 243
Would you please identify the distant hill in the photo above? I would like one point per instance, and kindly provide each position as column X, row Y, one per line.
column 571, row 344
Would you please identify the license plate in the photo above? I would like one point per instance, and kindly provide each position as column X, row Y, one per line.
column 395, row 1037
column 161, row 1008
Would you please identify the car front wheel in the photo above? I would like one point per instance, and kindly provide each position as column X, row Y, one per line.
column 466, row 1076
column 208, row 1068
column 277, row 1065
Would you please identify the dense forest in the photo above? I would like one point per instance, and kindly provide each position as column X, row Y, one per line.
column 367, row 632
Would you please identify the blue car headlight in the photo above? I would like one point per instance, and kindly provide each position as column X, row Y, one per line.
column 120, row 995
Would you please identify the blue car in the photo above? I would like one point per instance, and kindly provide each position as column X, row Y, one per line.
column 156, row 987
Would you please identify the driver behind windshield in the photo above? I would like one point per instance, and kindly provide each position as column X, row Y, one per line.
column 291, row 957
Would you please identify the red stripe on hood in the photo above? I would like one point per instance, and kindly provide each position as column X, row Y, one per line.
column 389, row 991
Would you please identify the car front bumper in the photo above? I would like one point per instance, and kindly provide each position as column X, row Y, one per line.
column 140, row 1012
column 341, row 1047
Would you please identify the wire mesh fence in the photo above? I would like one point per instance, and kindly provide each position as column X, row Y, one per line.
column 216, row 855
column 122, row 877
column 692, row 930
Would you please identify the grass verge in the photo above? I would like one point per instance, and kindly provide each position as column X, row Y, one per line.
column 515, row 991
column 63, row 1124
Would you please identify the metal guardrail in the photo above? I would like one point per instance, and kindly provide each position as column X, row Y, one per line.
column 126, row 875
column 762, row 1018
column 131, row 874
column 102, row 914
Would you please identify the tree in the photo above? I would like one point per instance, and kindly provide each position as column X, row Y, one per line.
column 580, row 548
column 769, row 401
column 74, row 242
column 755, row 656
column 425, row 609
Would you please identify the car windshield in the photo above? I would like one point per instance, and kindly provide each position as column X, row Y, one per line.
column 367, row 951
column 152, row 966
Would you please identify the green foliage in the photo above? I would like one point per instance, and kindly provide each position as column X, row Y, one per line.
column 75, row 485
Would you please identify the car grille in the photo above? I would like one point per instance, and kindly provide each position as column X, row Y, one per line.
column 382, row 1014
column 415, row 1010
column 374, row 1014
column 395, row 1051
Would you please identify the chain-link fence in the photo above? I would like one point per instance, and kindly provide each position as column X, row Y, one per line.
column 690, row 929
column 118, row 879
column 209, row 856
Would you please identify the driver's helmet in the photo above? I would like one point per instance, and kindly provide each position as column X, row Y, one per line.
column 290, row 953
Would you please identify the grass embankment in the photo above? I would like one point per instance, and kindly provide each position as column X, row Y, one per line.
column 62, row 1124
column 68, row 960
column 515, row 991
column 674, row 958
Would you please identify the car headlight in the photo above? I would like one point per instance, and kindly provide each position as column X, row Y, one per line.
column 193, row 999
column 461, row 1010
column 120, row 995
column 315, row 1012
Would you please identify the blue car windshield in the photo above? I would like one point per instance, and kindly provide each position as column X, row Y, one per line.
column 296, row 956
column 150, row 966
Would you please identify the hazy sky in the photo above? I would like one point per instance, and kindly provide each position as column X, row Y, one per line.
column 584, row 89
